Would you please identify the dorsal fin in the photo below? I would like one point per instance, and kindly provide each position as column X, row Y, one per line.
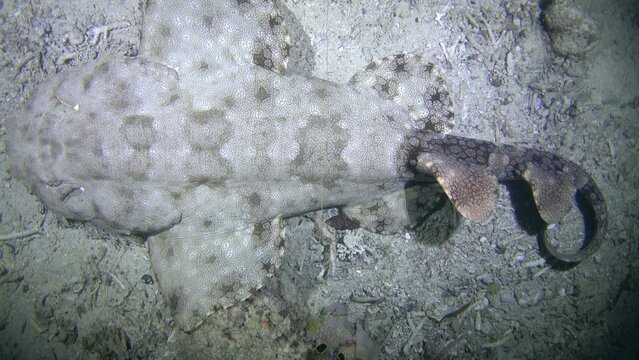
column 470, row 188
column 553, row 192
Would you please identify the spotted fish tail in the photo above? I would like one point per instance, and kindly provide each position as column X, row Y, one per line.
column 468, row 170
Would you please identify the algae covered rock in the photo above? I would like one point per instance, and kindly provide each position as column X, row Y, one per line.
column 572, row 31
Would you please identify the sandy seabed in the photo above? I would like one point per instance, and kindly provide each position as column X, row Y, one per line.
column 69, row 290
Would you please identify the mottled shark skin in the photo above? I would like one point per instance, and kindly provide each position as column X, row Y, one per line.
column 203, row 145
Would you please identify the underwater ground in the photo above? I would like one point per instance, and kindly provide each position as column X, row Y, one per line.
column 560, row 76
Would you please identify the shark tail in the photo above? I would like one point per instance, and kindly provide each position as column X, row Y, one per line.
column 468, row 170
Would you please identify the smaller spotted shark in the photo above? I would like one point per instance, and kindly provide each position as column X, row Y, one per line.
column 203, row 145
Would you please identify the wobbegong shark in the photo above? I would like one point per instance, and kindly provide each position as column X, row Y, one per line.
column 202, row 144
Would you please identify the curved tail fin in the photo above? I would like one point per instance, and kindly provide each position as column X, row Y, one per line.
column 468, row 171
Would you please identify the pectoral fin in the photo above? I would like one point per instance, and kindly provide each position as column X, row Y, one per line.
column 202, row 265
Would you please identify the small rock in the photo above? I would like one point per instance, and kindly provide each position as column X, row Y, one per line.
column 572, row 31
column 528, row 293
column 147, row 279
column 75, row 37
column 402, row 9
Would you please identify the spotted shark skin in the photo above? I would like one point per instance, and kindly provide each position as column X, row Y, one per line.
column 203, row 145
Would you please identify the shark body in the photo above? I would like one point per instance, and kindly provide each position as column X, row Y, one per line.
column 203, row 145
